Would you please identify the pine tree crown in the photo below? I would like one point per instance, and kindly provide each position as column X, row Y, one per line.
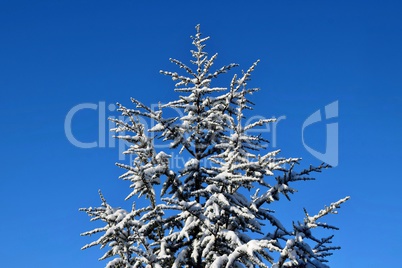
column 213, row 211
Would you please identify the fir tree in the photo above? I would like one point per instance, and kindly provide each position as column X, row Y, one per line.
column 214, row 211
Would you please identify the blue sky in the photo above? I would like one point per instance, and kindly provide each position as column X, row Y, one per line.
column 59, row 54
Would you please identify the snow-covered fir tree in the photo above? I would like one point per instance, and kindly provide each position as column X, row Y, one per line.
column 214, row 211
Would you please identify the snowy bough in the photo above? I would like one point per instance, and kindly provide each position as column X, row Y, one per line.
column 214, row 211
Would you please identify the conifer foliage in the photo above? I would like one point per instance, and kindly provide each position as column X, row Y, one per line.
column 214, row 211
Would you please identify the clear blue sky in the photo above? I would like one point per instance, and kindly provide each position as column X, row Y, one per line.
column 55, row 55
